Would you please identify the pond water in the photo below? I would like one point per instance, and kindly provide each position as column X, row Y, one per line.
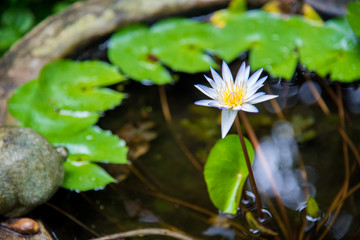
column 164, row 188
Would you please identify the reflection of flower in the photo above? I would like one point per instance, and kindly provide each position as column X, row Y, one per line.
column 232, row 97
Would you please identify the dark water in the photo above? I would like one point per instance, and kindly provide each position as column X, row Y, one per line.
column 307, row 136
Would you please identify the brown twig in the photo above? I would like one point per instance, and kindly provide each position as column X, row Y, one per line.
column 68, row 215
column 320, row 101
column 339, row 199
column 167, row 115
column 275, row 105
column 245, row 234
column 248, row 164
column 134, row 170
column 146, row 232
column 266, row 167
column 333, row 96
column 350, row 144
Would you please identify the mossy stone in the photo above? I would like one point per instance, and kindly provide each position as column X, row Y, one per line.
column 31, row 170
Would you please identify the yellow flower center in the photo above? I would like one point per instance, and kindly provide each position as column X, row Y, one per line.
column 233, row 96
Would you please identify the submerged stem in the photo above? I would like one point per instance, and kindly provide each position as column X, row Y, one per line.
column 248, row 164
column 167, row 115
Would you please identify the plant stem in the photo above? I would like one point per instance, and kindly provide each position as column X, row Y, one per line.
column 248, row 164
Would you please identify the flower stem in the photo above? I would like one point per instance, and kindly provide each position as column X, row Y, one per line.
column 248, row 164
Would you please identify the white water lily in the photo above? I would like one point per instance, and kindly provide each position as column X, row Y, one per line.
column 232, row 96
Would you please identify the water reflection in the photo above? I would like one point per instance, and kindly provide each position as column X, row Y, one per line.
column 288, row 95
column 281, row 151
column 352, row 99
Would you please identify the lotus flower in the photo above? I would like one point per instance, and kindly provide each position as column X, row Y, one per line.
column 232, row 96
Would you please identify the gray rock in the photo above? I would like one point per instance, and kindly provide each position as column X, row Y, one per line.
column 31, row 170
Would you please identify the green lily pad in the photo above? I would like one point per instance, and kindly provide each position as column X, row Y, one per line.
column 353, row 16
column 226, row 172
column 30, row 108
column 130, row 49
column 271, row 48
column 95, row 145
column 77, row 85
column 182, row 43
column 84, row 176
column 332, row 50
column 275, row 51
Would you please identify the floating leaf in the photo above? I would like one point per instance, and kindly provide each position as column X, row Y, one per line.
column 76, row 85
column 353, row 16
column 30, row 108
column 84, row 176
column 226, row 172
column 130, row 50
column 272, row 48
column 94, row 144
column 182, row 43
column 312, row 208
column 331, row 49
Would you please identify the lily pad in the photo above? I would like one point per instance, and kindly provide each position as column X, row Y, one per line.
column 353, row 16
column 77, row 85
column 31, row 109
column 332, row 49
column 95, row 145
column 226, row 172
column 182, row 44
column 84, row 176
column 272, row 48
column 130, row 49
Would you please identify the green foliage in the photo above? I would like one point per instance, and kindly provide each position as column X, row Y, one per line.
column 226, row 172
column 353, row 16
column 275, row 42
column 84, row 176
column 181, row 44
column 13, row 24
column 130, row 49
column 270, row 47
column 331, row 49
column 78, row 86
column 94, row 144
column 62, row 105
column 29, row 106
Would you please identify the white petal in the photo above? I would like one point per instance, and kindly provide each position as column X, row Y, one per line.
column 262, row 98
column 254, row 77
column 218, row 105
column 249, row 108
column 212, row 82
column 239, row 76
column 252, row 89
column 254, row 96
column 246, row 73
column 218, row 80
column 204, row 102
column 207, row 91
column 226, row 73
column 227, row 119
